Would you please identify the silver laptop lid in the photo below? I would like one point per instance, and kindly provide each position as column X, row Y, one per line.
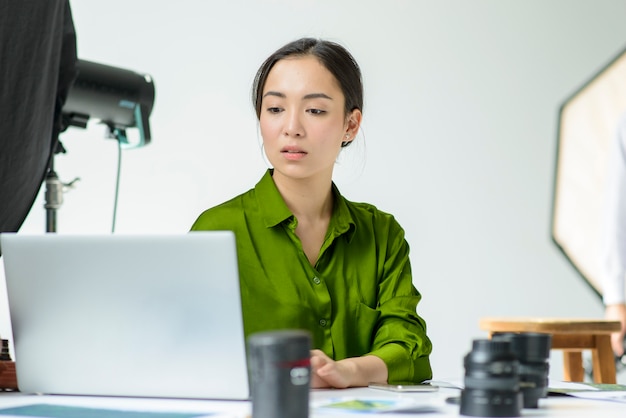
column 127, row 315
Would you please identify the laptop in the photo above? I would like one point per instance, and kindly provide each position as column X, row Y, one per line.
column 127, row 315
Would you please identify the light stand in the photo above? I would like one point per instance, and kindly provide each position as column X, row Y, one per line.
column 54, row 196
column 119, row 99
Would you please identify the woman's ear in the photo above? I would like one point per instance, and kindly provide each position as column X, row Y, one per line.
column 353, row 123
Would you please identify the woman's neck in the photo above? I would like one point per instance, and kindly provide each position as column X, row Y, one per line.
column 308, row 199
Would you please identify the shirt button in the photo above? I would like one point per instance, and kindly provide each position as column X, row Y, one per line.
column 316, row 280
column 322, row 322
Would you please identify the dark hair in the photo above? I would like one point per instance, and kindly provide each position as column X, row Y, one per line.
column 333, row 56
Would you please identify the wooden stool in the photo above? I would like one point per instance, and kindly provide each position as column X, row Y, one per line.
column 572, row 336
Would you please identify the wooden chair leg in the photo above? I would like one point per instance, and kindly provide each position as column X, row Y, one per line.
column 573, row 366
column 603, row 360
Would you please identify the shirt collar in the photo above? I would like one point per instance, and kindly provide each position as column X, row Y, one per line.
column 274, row 210
column 271, row 204
column 341, row 221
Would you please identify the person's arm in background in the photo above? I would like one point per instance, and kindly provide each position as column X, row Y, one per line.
column 614, row 243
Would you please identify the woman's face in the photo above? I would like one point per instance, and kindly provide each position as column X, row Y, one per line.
column 302, row 120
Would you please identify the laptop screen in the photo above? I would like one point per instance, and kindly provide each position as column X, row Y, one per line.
column 127, row 315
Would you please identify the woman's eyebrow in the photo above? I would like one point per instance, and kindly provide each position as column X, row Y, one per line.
column 274, row 93
column 306, row 96
column 317, row 96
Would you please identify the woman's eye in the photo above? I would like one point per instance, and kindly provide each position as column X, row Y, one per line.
column 274, row 109
column 316, row 111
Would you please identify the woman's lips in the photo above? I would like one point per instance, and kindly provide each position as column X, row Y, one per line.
column 293, row 154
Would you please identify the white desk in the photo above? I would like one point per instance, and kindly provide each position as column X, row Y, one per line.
column 565, row 407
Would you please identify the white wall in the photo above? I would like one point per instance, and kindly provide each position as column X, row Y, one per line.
column 458, row 141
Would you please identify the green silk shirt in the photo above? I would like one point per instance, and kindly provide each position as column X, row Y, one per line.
column 359, row 297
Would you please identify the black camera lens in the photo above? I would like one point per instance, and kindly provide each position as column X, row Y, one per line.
column 533, row 352
column 491, row 380
column 280, row 373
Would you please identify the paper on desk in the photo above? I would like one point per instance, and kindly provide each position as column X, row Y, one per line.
column 374, row 405
column 63, row 411
column 598, row 391
column 566, row 387
column 601, row 395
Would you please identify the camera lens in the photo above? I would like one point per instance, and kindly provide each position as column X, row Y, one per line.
column 280, row 373
column 491, row 380
column 533, row 352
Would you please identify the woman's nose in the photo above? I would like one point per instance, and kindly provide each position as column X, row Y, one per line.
column 293, row 125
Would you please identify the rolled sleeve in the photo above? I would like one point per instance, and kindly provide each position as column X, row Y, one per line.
column 401, row 340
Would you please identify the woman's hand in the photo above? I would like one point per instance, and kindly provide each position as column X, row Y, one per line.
column 350, row 372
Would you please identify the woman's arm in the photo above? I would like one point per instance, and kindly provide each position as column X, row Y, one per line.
column 400, row 339
column 350, row 372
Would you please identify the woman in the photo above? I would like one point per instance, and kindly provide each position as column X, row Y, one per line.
column 309, row 258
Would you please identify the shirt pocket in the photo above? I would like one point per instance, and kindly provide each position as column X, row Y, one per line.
column 364, row 329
